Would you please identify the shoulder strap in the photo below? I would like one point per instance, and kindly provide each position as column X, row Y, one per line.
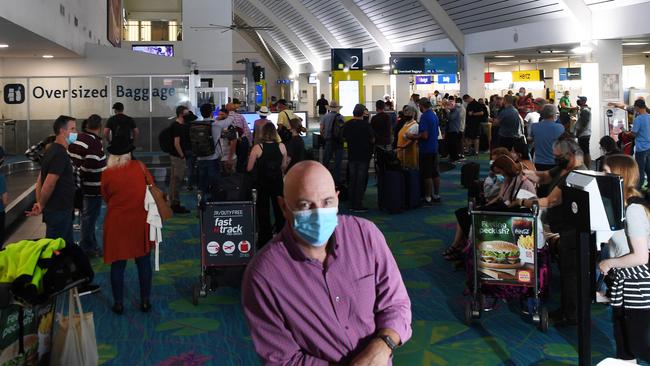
column 146, row 178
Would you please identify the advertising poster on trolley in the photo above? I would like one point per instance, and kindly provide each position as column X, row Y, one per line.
column 505, row 249
column 229, row 234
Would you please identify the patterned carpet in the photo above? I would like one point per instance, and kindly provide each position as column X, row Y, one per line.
column 214, row 332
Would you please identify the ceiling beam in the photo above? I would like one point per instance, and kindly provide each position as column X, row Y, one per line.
column 264, row 51
column 288, row 59
column 314, row 22
column 580, row 13
column 445, row 23
column 361, row 17
column 280, row 26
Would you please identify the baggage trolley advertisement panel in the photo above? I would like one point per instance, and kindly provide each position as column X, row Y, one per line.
column 505, row 248
column 227, row 233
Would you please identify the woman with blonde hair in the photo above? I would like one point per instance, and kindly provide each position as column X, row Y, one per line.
column 125, row 226
column 269, row 158
column 628, row 268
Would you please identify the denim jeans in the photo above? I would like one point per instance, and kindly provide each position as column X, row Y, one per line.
column 336, row 149
column 208, row 177
column 357, row 183
column 600, row 277
column 643, row 161
column 58, row 224
column 91, row 209
column 144, row 275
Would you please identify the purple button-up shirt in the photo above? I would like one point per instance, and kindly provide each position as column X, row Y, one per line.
column 302, row 312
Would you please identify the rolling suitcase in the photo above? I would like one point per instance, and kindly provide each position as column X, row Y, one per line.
column 412, row 188
column 469, row 172
column 233, row 187
column 390, row 191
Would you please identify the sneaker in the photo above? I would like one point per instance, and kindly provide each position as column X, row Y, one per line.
column 426, row 203
column 87, row 289
column 436, row 199
column 190, row 188
column 178, row 209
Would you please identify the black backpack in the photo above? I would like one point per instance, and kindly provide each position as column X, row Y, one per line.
column 165, row 139
column 337, row 128
column 201, row 138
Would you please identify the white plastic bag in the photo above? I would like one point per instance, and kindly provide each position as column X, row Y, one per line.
column 74, row 340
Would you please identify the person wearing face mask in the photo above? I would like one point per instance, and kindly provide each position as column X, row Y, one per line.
column 326, row 290
column 55, row 191
column 568, row 157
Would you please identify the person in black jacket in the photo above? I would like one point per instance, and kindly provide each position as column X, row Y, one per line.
column 296, row 146
column 360, row 138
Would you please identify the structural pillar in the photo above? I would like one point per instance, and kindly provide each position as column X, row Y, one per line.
column 602, row 82
column 402, row 90
column 472, row 81
column 323, row 86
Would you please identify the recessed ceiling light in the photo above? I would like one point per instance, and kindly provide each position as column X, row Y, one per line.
column 3, row 45
column 582, row 50
column 635, row 43
column 553, row 60
column 502, row 64
column 504, row 56
column 385, row 67
column 646, row 51
column 48, row 56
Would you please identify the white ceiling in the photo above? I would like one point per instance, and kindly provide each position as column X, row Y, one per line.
column 23, row 43
column 297, row 40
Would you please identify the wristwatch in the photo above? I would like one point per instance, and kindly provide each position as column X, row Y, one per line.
column 389, row 342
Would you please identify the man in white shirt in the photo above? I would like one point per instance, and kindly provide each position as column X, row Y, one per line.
column 533, row 116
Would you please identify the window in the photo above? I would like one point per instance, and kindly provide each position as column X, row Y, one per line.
column 173, row 30
column 131, row 31
column 145, row 30
column 634, row 76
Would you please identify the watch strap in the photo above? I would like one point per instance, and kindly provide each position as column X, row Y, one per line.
column 389, row 342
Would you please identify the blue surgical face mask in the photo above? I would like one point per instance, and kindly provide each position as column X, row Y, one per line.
column 315, row 226
column 500, row 178
column 72, row 137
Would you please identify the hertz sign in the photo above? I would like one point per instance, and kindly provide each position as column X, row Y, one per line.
column 528, row 75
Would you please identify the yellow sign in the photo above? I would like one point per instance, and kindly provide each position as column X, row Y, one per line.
column 529, row 75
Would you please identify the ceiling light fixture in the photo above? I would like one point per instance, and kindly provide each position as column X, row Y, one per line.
column 646, row 52
column 502, row 64
column 385, row 67
column 504, row 56
column 582, row 50
column 3, row 45
column 634, row 43
column 48, row 56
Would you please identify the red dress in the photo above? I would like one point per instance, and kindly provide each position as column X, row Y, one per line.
column 125, row 227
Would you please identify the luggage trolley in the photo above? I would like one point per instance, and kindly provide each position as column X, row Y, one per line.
column 228, row 237
column 505, row 253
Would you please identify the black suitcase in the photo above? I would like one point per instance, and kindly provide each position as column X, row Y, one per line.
column 469, row 172
column 412, row 188
column 484, row 143
column 390, row 191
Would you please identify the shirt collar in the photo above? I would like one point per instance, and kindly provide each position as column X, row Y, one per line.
column 296, row 252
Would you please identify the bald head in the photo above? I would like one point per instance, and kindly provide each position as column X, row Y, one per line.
column 309, row 185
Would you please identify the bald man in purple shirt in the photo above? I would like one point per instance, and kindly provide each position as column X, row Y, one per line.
column 326, row 290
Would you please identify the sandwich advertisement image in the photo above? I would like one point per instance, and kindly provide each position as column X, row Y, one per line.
column 505, row 249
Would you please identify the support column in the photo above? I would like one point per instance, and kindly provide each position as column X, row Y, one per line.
column 402, row 90
column 324, row 86
column 472, row 81
column 607, row 59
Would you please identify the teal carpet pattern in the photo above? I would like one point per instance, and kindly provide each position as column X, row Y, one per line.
column 177, row 333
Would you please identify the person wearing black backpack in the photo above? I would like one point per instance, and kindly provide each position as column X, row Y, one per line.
column 269, row 158
column 330, row 128
column 120, row 126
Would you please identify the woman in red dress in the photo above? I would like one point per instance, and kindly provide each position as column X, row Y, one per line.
column 125, row 227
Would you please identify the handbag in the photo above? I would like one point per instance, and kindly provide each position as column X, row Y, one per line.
column 74, row 341
column 159, row 196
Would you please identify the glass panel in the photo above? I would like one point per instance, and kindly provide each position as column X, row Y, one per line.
column 13, row 106
column 48, row 99
column 145, row 30
column 133, row 92
column 167, row 93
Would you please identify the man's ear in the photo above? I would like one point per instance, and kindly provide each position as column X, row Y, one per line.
column 283, row 206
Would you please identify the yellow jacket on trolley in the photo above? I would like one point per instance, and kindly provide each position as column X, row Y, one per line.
column 407, row 150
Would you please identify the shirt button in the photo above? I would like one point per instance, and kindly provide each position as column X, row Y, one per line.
column 347, row 328
column 338, row 299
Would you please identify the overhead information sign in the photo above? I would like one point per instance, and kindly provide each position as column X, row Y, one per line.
column 447, row 79
column 528, row 75
column 423, row 79
column 407, row 65
column 570, row 73
column 350, row 58
column 441, row 65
